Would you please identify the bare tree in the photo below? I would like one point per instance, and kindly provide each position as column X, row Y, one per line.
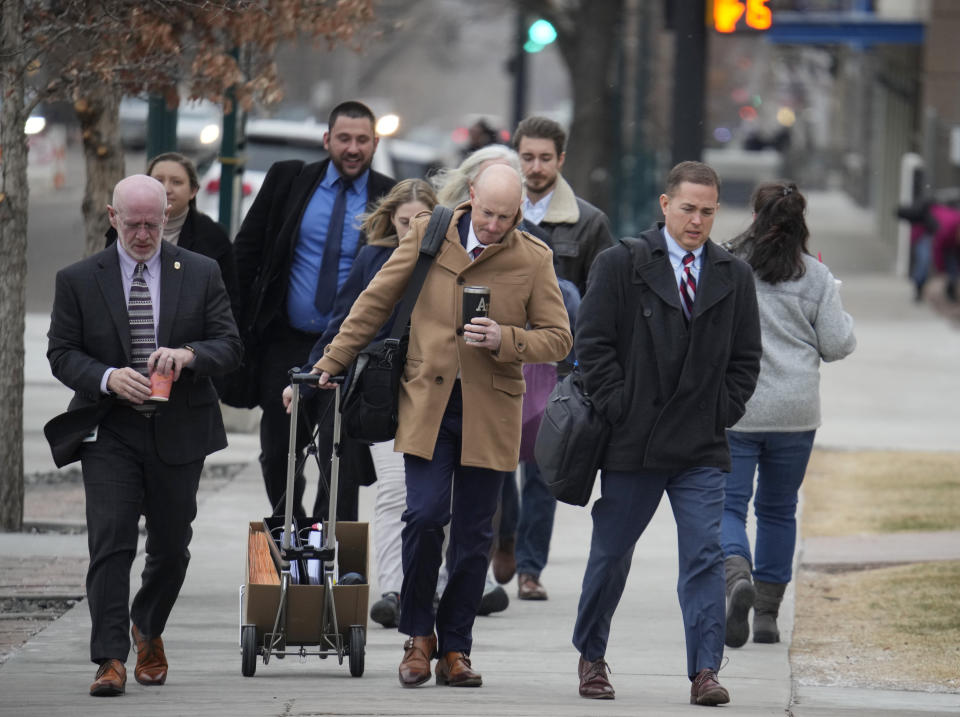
column 588, row 37
column 93, row 54
column 13, row 262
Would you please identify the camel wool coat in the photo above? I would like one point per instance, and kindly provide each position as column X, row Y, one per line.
column 525, row 301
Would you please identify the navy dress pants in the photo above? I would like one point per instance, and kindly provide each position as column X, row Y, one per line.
column 123, row 477
column 627, row 503
column 439, row 491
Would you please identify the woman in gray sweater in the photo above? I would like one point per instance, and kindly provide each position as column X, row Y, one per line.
column 802, row 323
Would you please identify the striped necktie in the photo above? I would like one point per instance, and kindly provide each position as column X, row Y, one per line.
column 476, row 251
column 688, row 286
column 143, row 341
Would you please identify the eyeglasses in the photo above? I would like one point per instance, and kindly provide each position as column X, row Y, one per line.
column 148, row 227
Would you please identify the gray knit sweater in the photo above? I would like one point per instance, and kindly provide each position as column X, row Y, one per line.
column 801, row 323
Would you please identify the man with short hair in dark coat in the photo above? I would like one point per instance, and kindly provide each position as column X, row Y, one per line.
column 290, row 272
column 668, row 339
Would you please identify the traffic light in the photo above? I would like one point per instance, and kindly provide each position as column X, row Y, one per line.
column 540, row 34
column 727, row 14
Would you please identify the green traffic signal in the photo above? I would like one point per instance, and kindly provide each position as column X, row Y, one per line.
column 540, row 34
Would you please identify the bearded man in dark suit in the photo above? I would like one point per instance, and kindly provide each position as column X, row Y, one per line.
column 293, row 251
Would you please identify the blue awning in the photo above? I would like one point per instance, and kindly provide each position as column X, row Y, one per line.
column 860, row 29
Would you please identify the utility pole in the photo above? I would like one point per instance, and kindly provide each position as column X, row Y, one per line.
column 519, row 66
column 161, row 127
column 231, row 162
column 689, row 84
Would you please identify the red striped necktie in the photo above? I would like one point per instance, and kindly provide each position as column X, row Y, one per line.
column 688, row 286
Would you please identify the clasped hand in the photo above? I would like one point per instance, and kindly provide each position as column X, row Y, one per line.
column 133, row 386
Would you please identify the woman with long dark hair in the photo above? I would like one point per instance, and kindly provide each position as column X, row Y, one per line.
column 802, row 323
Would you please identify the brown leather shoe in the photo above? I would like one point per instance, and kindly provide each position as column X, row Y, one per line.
column 706, row 690
column 111, row 679
column 504, row 561
column 529, row 588
column 594, row 684
column 415, row 665
column 151, row 666
column 453, row 669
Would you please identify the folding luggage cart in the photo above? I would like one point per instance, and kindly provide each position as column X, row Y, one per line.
column 324, row 619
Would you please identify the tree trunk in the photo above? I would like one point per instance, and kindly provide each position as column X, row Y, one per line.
column 590, row 55
column 97, row 110
column 14, row 196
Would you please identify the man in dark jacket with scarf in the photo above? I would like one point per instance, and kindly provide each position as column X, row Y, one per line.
column 668, row 339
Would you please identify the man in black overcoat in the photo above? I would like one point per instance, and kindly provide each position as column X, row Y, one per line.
column 668, row 339
column 289, row 270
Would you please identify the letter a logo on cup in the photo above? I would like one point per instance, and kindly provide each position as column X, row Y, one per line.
column 482, row 307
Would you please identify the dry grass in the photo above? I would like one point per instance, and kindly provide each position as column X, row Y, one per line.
column 894, row 628
column 881, row 492
column 890, row 627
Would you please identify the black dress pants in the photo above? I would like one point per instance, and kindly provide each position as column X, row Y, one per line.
column 284, row 348
column 122, row 478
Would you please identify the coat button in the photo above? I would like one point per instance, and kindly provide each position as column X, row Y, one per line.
column 460, row 280
column 647, row 313
column 459, row 331
column 438, row 380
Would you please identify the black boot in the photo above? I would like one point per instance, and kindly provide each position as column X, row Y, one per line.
column 765, row 611
column 740, row 598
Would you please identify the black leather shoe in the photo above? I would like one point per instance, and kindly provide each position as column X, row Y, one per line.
column 386, row 610
column 494, row 601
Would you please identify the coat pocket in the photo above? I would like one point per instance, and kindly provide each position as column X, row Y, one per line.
column 509, row 384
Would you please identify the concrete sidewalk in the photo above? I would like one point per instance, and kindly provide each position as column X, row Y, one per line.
column 890, row 394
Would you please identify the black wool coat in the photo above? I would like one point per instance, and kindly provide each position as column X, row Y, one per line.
column 265, row 243
column 668, row 388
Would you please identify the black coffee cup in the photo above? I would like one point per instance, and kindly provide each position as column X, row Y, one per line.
column 476, row 302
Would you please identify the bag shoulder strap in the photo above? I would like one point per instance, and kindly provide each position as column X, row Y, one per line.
column 432, row 241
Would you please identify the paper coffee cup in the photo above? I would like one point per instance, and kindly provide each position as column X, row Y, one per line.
column 160, row 385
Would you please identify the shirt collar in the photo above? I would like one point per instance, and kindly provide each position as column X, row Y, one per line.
column 536, row 211
column 128, row 265
column 677, row 252
column 472, row 240
column 332, row 175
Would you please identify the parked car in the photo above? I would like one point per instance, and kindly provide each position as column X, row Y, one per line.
column 198, row 126
column 269, row 141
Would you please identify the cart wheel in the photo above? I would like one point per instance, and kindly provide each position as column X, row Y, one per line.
column 248, row 648
column 358, row 640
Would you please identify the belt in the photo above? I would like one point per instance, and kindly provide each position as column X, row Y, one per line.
column 133, row 408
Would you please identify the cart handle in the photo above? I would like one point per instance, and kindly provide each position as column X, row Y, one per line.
column 311, row 378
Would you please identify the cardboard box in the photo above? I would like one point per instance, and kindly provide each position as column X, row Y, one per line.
column 305, row 603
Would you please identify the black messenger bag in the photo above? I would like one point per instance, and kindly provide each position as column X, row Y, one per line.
column 571, row 442
column 370, row 404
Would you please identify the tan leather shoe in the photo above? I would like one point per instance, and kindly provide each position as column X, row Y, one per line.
column 453, row 669
column 504, row 561
column 594, row 684
column 111, row 679
column 706, row 690
column 151, row 666
column 415, row 665
column 529, row 588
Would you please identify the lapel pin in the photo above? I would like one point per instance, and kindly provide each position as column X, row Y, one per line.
column 176, row 265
